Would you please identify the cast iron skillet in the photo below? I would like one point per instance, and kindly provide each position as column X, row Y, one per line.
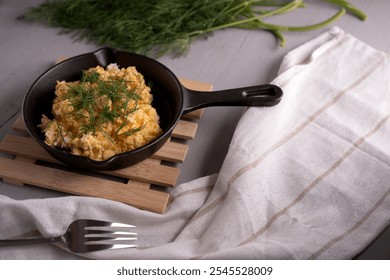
column 170, row 99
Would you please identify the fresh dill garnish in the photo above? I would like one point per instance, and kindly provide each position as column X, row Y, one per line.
column 96, row 102
column 158, row 27
column 90, row 76
column 132, row 131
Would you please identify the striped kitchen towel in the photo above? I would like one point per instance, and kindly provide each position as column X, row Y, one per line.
column 309, row 178
column 306, row 179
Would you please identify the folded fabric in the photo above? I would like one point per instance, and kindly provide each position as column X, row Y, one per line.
column 306, row 179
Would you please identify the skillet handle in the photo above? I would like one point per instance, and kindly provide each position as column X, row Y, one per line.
column 261, row 95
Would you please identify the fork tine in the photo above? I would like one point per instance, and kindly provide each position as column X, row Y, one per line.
column 120, row 240
column 115, row 243
column 123, row 246
column 112, row 227
column 111, row 235
column 122, row 225
column 107, row 224
column 109, row 247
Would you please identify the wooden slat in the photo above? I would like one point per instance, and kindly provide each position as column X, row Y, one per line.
column 79, row 184
column 196, row 85
column 173, row 152
column 185, row 130
column 138, row 184
column 24, row 146
column 145, row 171
column 19, row 125
column 16, row 181
column 194, row 115
column 150, row 172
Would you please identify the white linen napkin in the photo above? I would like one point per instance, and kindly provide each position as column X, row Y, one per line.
column 306, row 179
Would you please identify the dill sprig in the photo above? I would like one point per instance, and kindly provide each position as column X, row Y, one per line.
column 96, row 102
column 157, row 27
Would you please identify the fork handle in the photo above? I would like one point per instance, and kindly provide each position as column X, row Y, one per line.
column 17, row 242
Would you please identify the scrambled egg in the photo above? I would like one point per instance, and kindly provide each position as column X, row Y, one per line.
column 107, row 112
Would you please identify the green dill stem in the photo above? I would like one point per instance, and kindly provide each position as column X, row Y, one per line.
column 302, row 28
column 273, row 4
column 276, row 29
column 241, row 7
column 288, row 7
column 284, row 9
column 279, row 36
column 349, row 8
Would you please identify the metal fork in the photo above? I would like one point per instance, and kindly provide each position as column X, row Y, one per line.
column 87, row 235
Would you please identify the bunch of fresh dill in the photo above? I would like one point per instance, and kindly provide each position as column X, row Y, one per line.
column 157, row 27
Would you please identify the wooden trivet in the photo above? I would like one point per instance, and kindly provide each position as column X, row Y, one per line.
column 145, row 185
